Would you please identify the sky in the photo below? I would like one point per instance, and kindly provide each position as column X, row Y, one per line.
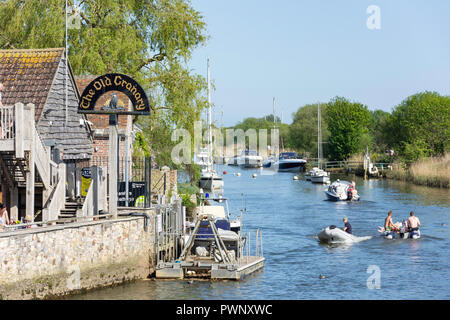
column 301, row 52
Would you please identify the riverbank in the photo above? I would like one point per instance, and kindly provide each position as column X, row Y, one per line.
column 430, row 172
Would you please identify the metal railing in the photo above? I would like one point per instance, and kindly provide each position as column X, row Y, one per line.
column 247, row 250
column 52, row 223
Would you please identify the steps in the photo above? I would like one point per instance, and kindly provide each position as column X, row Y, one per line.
column 70, row 208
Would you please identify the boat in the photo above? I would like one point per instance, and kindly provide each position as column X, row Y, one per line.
column 290, row 162
column 317, row 175
column 233, row 161
column 342, row 191
column 250, row 159
column 209, row 180
column 320, row 176
column 268, row 162
column 333, row 235
column 201, row 158
column 402, row 233
column 310, row 172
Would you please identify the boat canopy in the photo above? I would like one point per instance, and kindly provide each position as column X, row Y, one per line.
column 215, row 211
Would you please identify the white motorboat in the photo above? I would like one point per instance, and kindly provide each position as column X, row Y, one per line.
column 342, row 191
column 210, row 180
column 269, row 162
column 250, row 159
column 310, row 172
column 233, row 161
column 290, row 162
column 320, row 176
column 333, row 234
column 202, row 158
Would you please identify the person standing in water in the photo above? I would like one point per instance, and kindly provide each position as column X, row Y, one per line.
column 347, row 226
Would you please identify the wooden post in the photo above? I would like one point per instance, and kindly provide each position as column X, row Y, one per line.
column 19, row 138
column 14, row 204
column 30, row 176
column 113, row 147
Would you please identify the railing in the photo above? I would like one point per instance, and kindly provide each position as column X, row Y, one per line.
column 52, row 223
column 7, row 123
column 248, row 248
column 88, row 205
column 56, row 200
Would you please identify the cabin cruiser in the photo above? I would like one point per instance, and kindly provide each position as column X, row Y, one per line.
column 333, row 234
column 250, row 159
column 289, row 162
column 310, row 172
column 202, row 158
column 319, row 176
column 401, row 231
column 233, row 161
column 210, row 180
column 269, row 162
column 342, row 191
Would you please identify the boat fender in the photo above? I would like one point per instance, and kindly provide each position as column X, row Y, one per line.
column 332, row 227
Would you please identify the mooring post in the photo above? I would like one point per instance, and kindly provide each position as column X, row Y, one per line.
column 113, row 148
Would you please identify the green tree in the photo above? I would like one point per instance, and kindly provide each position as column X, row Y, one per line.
column 347, row 122
column 420, row 126
column 303, row 130
column 150, row 40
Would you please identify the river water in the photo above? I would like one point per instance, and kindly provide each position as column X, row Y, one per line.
column 291, row 213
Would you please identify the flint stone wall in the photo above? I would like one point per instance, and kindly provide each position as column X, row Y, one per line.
column 46, row 262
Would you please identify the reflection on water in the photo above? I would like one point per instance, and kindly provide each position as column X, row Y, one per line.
column 291, row 214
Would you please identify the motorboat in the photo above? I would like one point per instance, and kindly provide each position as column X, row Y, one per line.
column 310, row 172
column 402, row 232
column 342, row 191
column 269, row 162
column 333, row 234
column 320, row 176
column 290, row 162
column 250, row 159
column 233, row 161
column 202, row 158
column 210, row 180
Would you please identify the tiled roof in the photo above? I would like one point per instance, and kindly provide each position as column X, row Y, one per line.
column 27, row 75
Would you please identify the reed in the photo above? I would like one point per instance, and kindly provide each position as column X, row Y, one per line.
column 431, row 172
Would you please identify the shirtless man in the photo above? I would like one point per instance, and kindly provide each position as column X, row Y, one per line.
column 413, row 222
column 388, row 224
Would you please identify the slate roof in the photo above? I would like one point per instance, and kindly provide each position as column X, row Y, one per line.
column 27, row 75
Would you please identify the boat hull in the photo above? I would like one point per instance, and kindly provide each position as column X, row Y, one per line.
column 332, row 235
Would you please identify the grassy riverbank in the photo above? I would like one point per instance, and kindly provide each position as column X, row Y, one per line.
column 431, row 172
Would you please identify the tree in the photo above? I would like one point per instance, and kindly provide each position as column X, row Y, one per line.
column 303, row 130
column 347, row 123
column 149, row 40
column 420, row 126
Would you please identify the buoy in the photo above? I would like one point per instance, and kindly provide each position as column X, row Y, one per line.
column 295, row 178
column 254, row 176
column 238, row 174
column 322, row 276
column 224, row 172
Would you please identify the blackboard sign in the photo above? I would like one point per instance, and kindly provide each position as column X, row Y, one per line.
column 114, row 82
column 136, row 193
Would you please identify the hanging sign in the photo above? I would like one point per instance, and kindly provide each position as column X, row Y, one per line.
column 114, row 82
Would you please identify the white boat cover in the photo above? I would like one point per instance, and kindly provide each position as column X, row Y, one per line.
column 214, row 211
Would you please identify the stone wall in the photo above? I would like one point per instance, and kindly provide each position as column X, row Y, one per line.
column 45, row 262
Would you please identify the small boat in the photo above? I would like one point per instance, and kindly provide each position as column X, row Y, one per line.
column 202, row 158
column 250, row 159
column 333, row 234
column 268, row 162
column 310, row 172
column 290, row 162
column 402, row 233
column 342, row 191
column 320, row 176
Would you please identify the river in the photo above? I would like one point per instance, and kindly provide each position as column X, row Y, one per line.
column 291, row 213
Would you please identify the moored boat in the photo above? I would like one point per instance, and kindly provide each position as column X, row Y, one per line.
column 290, row 162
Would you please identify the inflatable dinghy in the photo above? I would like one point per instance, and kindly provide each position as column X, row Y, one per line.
column 402, row 232
column 332, row 234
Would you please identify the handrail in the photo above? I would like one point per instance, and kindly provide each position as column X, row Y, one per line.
column 23, row 226
column 7, row 115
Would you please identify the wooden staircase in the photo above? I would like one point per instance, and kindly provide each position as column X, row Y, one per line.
column 70, row 208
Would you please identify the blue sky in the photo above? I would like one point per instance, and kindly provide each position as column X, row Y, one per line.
column 307, row 51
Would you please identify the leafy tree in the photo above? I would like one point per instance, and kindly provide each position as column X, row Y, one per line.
column 420, row 126
column 347, row 123
column 303, row 130
column 150, row 40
